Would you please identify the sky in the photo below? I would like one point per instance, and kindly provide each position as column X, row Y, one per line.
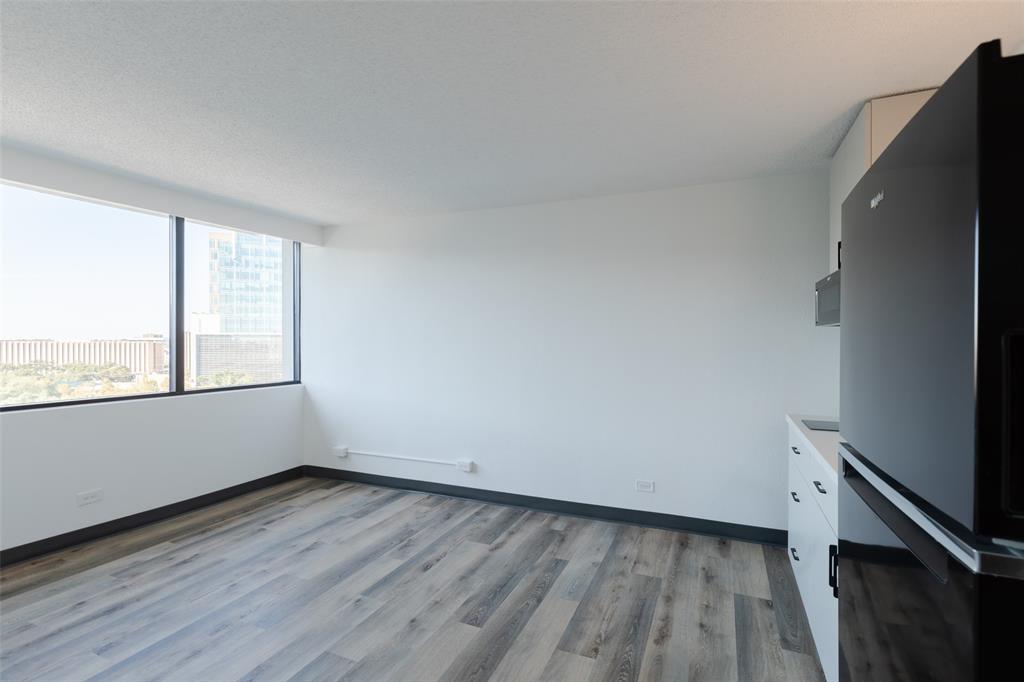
column 78, row 270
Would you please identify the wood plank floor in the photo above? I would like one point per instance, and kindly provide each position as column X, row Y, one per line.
column 325, row 580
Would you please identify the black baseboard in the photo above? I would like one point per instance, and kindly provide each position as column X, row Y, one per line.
column 76, row 537
column 737, row 531
column 766, row 536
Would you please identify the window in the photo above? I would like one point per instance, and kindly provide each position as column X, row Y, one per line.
column 83, row 299
column 238, row 307
column 99, row 302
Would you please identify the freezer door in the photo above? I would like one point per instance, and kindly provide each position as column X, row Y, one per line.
column 905, row 606
column 915, row 601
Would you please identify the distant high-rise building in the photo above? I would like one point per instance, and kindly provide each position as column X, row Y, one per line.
column 240, row 338
column 246, row 282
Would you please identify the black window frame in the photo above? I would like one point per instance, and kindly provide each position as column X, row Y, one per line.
column 176, row 332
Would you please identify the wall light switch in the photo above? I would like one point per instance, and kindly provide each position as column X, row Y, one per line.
column 89, row 496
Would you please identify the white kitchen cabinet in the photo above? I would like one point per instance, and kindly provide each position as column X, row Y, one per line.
column 878, row 122
column 802, row 517
column 811, row 535
column 818, row 474
column 890, row 114
column 848, row 166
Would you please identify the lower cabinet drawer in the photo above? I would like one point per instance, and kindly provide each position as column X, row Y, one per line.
column 810, row 537
column 819, row 476
column 800, row 517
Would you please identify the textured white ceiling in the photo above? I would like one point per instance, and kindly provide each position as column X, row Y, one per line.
column 338, row 112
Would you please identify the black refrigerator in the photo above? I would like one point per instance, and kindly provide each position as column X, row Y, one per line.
column 930, row 569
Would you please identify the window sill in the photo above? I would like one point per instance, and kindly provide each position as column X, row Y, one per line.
column 144, row 396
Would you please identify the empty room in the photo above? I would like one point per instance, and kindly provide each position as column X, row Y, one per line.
column 513, row 341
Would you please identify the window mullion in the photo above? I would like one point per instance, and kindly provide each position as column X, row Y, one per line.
column 176, row 356
column 296, row 310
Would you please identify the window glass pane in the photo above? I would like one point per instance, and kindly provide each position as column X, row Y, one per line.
column 238, row 308
column 84, row 292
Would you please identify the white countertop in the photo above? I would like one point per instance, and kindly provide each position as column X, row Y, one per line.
column 825, row 443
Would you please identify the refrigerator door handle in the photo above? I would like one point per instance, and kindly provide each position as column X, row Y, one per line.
column 928, row 551
column 977, row 555
column 1013, row 422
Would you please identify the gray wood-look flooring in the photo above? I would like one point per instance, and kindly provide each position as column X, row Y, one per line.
column 324, row 580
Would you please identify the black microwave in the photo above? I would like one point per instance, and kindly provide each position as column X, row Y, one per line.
column 826, row 301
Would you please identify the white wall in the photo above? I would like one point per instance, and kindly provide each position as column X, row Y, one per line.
column 143, row 453
column 149, row 452
column 36, row 169
column 572, row 347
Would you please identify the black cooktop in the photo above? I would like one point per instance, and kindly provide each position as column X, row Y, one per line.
column 820, row 425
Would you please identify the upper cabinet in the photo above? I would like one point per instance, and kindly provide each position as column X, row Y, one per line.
column 889, row 115
column 878, row 122
column 847, row 168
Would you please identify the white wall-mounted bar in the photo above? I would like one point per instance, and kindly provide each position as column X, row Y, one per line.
column 466, row 465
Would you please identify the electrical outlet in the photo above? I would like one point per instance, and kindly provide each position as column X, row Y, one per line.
column 89, row 496
column 466, row 465
column 644, row 486
column 341, row 451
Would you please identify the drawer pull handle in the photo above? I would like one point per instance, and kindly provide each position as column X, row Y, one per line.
column 793, row 448
column 817, row 484
column 792, row 550
column 795, row 498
